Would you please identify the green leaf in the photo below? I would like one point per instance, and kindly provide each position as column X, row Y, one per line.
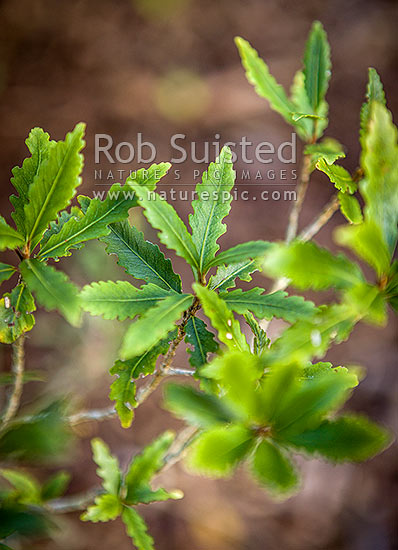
column 367, row 241
column 105, row 508
column 25, row 485
column 211, row 206
column 237, row 373
column 201, row 340
column 54, row 184
column 226, row 276
column 374, row 92
column 123, row 389
column 154, row 325
column 15, row 314
column 92, row 225
column 301, row 104
column 257, row 73
column 350, row 208
column 241, row 252
column 317, row 65
column 379, row 161
column 260, row 341
column 140, row 258
column 309, row 266
column 148, row 177
column 55, row 227
column 338, row 176
column 43, row 436
column 172, row 230
column 308, row 401
column 9, row 237
column 267, row 306
column 328, row 149
column 273, row 470
column 52, row 288
column 142, row 469
column 196, row 407
column 218, row 451
column 348, row 438
column 221, row 317
column 6, row 271
column 120, row 299
column 392, row 286
column 136, row 529
column 108, row 466
column 38, row 144
column 55, row 486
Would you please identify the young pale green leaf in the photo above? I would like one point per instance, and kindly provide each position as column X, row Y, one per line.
column 105, row 508
column 218, row 451
column 136, row 529
column 350, row 208
column 196, row 407
column 348, row 438
column 309, row 266
column 211, row 206
column 108, row 466
column 16, row 314
column 172, row 230
column 274, row 470
column 142, row 469
column 317, row 66
column 328, row 149
column 241, row 253
column 120, row 299
column 374, row 92
column 201, row 340
column 154, row 325
column 310, row 399
column 92, row 225
column 237, row 373
column 54, row 184
column 299, row 98
column 26, row 486
column 123, row 389
column 9, row 237
column 222, row 319
column 38, row 143
column 338, row 176
column 140, row 258
column 257, row 73
column 226, row 276
column 55, row 486
column 379, row 161
column 6, row 271
column 367, row 241
column 52, row 288
column 266, row 306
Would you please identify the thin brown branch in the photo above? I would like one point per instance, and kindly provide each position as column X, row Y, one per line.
column 302, row 187
column 92, row 415
column 18, row 367
column 313, row 228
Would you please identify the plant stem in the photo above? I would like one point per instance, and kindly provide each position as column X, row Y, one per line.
column 302, row 187
column 18, row 367
column 321, row 220
column 93, row 414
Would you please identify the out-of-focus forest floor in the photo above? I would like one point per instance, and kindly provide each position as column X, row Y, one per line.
column 164, row 67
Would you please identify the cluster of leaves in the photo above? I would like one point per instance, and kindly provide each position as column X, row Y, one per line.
column 260, row 401
column 122, row 492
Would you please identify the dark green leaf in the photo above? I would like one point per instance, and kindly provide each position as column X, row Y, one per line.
column 317, row 66
column 226, row 276
column 140, row 258
column 211, row 206
column 6, row 272
column 201, row 340
column 9, row 237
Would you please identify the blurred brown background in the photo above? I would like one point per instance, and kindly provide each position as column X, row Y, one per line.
column 166, row 66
